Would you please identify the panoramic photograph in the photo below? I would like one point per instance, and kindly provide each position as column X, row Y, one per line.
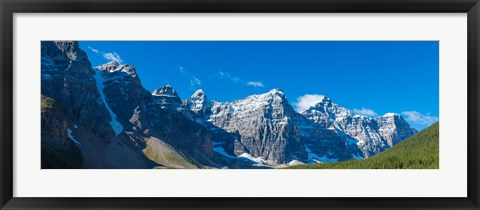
column 239, row 104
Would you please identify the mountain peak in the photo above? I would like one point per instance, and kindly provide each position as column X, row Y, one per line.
column 166, row 97
column 199, row 96
column 272, row 94
column 323, row 100
column 166, row 90
column 199, row 103
column 110, row 66
column 67, row 45
column 114, row 66
column 69, row 48
column 114, row 63
column 276, row 91
column 198, row 93
column 390, row 114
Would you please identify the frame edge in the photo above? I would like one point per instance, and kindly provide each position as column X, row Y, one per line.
column 6, row 115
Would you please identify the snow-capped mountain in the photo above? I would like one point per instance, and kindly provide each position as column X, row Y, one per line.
column 199, row 104
column 103, row 117
column 107, row 119
column 266, row 127
column 265, row 124
column 167, row 97
column 371, row 135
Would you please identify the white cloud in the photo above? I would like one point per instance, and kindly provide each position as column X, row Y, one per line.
column 93, row 49
column 306, row 101
column 112, row 56
column 225, row 75
column 365, row 112
column 255, row 84
column 194, row 81
column 419, row 118
column 181, row 69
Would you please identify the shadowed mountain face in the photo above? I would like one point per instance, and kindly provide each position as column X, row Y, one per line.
column 102, row 117
column 107, row 114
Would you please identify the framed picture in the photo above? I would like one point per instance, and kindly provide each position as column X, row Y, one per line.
column 239, row 105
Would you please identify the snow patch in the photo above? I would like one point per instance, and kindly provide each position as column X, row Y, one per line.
column 70, row 135
column 165, row 95
column 259, row 161
column 294, row 162
column 116, row 126
column 250, row 157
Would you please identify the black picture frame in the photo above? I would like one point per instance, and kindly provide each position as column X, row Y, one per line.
column 10, row 7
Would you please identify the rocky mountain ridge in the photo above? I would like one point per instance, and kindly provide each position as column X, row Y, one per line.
column 267, row 128
column 371, row 135
column 107, row 114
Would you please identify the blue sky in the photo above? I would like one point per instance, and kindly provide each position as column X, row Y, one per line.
column 369, row 77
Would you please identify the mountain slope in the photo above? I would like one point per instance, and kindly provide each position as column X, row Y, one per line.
column 152, row 115
column 164, row 154
column 420, row 151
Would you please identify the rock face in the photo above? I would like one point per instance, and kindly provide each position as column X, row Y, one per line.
column 157, row 115
column 103, row 117
column 266, row 129
column 265, row 124
column 81, row 118
column 199, row 104
column 105, row 113
column 371, row 135
column 67, row 78
column 167, row 98
column 173, row 122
